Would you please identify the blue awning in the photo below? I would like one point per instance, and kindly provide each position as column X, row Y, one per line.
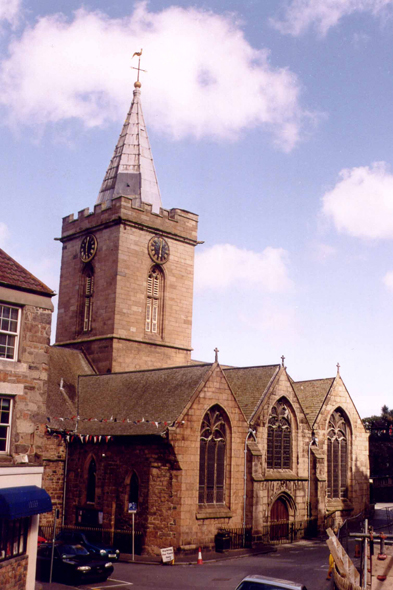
column 23, row 501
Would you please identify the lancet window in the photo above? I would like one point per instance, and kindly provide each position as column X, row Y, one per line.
column 91, row 482
column 337, row 456
column 87, row 298
column 212, row 460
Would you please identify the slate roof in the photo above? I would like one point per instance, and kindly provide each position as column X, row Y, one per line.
column 13, row 274
column 249, row 385
column 65, row 365
column 132, row 403
column 311, row 395
column 131, row 170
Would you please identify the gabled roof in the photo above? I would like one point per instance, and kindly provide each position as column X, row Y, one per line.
column 249, row 385
column 311, row 395
column 14, row 275
column 137, row 402
column 65, row 366
column 131, row 170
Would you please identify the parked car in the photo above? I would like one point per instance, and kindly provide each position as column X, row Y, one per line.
column 101, row 549
column 72, row 563
column 264, row 583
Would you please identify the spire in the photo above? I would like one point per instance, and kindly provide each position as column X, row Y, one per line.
column 131, row 171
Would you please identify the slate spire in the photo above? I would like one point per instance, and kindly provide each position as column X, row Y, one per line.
column 131, row 170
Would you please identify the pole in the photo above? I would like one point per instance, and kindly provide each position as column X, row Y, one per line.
column 133, row 536
column 53, row 545
column 365, row 564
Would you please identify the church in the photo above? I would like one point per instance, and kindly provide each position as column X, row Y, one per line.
column 136, row 429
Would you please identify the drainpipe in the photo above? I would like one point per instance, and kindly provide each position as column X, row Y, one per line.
column 249, row 433
column 313, row 443
column 65, row 483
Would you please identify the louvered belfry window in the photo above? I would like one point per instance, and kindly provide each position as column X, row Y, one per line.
column 154, row 301
column 279, row 437
column 212, row 460
column 88, row 301
column 337, row 456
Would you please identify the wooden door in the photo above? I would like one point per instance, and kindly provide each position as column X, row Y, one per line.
column 279, row 517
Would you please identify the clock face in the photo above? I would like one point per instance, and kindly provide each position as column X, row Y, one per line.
column 88, row 248
column 158, row 249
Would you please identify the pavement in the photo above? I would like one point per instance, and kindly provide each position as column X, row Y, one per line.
column 190, row 558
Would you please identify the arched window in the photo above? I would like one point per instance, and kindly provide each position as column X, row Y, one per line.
column 154, row 300
column 91, row 482
column 87, row 292
column 133, row 492
column 279, row 437
column 337, row 456
column 212, row 464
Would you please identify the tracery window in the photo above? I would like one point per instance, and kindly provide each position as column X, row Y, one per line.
column 279, row 437
column 337, row 456
column 154, row 300
column 212, row 460
column 91, row 482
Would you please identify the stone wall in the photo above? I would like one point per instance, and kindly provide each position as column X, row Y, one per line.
column 198, row 524
column 291, row 483
column 53, row 478
column 13, row 573
column 154, row 463
column 358, row 484
column 117, row 340
column 26, row 381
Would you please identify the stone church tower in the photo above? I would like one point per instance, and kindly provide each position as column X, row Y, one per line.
column 126, row 284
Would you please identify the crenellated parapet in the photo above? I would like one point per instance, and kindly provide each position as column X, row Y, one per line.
column 175, row 223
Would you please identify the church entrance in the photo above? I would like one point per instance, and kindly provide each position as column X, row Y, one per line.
column 279, row 517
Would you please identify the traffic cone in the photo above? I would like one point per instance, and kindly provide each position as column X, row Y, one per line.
column 200, row 560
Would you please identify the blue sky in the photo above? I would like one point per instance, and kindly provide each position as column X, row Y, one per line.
column 272, row 120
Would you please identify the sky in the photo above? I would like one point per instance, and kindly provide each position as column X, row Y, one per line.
column 272, row 120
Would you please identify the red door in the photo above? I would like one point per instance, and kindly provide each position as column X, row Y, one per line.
column 279, row 517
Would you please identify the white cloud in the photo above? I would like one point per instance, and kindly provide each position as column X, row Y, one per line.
column 361, row 203
column 388, row 280
column 322, row 252
column 10, row 10
column 204, row 78
column 224, row 267
column 301, row 15
column 4, row 234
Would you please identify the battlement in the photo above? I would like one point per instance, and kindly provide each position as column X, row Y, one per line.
column 127, row 210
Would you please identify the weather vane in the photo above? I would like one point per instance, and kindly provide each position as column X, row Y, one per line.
column 139, row 69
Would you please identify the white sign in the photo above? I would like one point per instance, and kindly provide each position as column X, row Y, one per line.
column 167, row 555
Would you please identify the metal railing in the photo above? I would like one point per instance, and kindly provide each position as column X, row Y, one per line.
column 274, row 533
column 120, row 539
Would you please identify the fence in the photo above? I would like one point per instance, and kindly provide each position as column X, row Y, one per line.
column 274, row 533
column 120, row 539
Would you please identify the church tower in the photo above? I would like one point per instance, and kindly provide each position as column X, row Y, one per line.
column 126, row 283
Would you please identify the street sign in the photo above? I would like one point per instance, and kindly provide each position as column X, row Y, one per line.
column 167, row 555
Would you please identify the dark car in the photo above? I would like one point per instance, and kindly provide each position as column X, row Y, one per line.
column 104, row 551
column 72, row 563
column 265, row 583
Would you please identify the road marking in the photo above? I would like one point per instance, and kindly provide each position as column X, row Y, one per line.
column 122, row 583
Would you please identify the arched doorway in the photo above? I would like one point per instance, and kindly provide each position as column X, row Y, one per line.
column 279, row 517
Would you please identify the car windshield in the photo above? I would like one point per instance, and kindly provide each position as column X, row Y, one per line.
column 248, row 585
column 70, row 550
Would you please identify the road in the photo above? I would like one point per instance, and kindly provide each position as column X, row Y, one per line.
column 305, row 562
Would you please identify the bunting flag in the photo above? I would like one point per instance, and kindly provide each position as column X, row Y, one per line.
column 70, row 435
column 115, row 419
